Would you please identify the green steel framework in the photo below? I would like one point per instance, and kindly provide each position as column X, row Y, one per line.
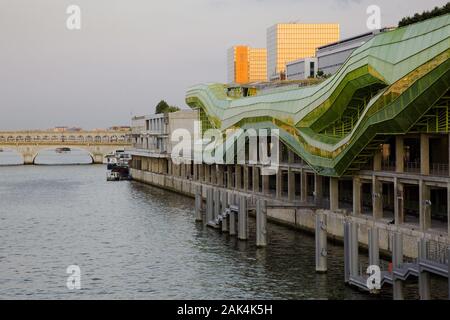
column 398, row 82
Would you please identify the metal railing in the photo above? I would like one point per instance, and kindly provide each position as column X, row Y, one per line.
column 439, row 169
column 412, row 167
column 437, row 251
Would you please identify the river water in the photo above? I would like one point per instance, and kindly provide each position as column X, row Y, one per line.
column 134, row 241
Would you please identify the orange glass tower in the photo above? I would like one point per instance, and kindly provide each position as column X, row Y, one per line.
column 246, row 64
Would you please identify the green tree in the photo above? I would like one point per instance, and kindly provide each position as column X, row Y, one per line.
column 425, row 15
column 161, row 107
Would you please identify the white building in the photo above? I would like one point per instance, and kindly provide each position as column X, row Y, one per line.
column 301, row 69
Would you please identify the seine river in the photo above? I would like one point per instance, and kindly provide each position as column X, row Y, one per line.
column 133, row 241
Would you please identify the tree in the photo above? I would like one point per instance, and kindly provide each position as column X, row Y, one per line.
column 161, row 107
column 425, row 15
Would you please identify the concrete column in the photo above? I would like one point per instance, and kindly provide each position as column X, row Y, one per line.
column 256, row 176
column 225, row 207
column 265, row 184
column 183, row 170
column 169, row 167
column 354, row 249
column 207, row 173
column 279, row 183
column 397, row 261
column 321, row 243
column 424, row 154
column 198, row 203
column 232, row 227
column 334, row 194
column 261, row 223
column 243, row 219
column 377, row 161
column 448, row 215
column 347, row 251
column 374, row 248
column 195, row 177
column 424, row 206
column 216, row 203
column 201, row 172
column 213, row 174
column 424, row 277
column 377, row 198
column 291, row 184
column 304, row 186
column 399, row 211
column 238, row 176
column 229, row 177
column 318, row 193
column 356, row 196
column 399, row 154
column 220, row 173
column 246, row 177
column 209, row 205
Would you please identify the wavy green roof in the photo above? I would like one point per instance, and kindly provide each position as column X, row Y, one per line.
column 385, row 87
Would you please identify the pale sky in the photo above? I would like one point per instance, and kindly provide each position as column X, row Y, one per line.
column 129, row 54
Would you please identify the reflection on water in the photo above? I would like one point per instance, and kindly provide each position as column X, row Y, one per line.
column 138, row 242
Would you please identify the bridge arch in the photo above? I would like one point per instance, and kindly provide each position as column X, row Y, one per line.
column 38, row 152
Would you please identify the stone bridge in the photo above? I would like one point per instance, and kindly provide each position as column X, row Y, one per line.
column 97, row 143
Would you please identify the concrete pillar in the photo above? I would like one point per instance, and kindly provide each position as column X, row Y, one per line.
column 220, row 173
column 399, row 154
column 256, row 176
column 201, row 173
column 448, row 214
column 238, row 176
column 232, row 221
column 356, row 196
column 207, row 173
column 318, row 193
column 399, row 211
column 448, row 255
column 246, row 177
column 216, row 203
column 334, row 194
column 243, row 219
column 291, row 184
column 304, row 186
column 198, row 203
column 213, row 174
column 261, row 223
column 374, row 248
column 377, row 198
column 377, row 158
column 321, row 243
column 424, row 154
column 424, row 277
column 265, row 184
column 279, row 183
column 424, row 206
column 397, row 261
column 209, row 205
column 354, row 249
column 182, row 170
column 169, row 167
column 347, row 247
column 229, row 177
column 225, row 207
column 195, row 175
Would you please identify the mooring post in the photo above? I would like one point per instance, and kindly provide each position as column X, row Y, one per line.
column 209, row 205
column 354, row 249
column 198, row 203
column 346, row 251
column 321, row 243
column 374, row 247
column 261, row 223
column 232, row 219
column 397, row 261
column 225, row 211
column 448, row 274
column 243, row 219
column 424, row 277
column 216, row 203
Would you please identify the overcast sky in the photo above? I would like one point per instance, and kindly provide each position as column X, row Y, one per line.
column 129, row 54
